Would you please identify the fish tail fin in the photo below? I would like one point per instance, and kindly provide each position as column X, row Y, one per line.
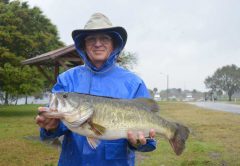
column 179, row 139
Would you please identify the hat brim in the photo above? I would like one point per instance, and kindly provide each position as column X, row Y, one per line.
column 120, row 30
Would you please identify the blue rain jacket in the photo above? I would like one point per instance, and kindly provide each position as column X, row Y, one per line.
column 112, row 81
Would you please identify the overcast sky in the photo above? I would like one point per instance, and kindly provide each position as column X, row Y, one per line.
column 184, row 39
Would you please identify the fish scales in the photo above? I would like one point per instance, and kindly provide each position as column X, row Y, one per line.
column 126, row 115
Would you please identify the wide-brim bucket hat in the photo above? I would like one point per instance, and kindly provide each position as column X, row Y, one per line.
column 99, row 23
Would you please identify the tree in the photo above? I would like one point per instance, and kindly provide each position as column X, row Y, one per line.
column 24, row 33
column 225, row 79
column 179, row 90
column 194, row 91
column 20, row 81
column 127, row 60
column 4, row 1
column 155, row 90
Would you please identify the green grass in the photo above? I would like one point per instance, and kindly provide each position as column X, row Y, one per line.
column 17, row 123
column 225, row 100
column 214, row 138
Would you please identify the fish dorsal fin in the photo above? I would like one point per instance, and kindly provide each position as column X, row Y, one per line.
column 93, row 142
column 96, row 128
column 150, row 104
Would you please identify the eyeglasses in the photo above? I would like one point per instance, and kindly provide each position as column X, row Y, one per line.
column 92, row 39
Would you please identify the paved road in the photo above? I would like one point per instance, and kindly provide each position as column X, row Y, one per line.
column 219, row 106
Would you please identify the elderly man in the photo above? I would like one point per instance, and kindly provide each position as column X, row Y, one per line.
column 99, row 45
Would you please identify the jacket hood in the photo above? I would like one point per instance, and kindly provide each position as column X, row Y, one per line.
column 118, row 47
column 99, row 23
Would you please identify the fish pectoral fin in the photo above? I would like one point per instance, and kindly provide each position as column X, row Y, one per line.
column 150, row 104
column 93, row 142
column 96, row 128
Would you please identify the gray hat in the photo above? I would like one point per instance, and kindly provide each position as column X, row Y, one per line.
column 99, row 23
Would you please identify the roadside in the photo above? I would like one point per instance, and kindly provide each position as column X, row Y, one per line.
column 220, row 106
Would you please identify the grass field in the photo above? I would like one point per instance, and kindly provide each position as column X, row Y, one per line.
column 17, row 123
column 214, row 139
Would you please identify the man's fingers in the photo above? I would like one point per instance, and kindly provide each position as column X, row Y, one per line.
column 44, row 122
column 40, row 119
column 52, row 124
column 131, row 138
column 141, row 138
column 152, row 133
column 47, row 123
column 40, row 109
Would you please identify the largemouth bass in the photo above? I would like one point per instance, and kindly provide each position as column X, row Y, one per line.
column 109, row 118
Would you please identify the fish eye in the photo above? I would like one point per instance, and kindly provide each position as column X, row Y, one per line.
column 64, row 96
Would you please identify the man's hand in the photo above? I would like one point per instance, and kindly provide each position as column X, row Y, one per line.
column 48, row 124
column 139, row 139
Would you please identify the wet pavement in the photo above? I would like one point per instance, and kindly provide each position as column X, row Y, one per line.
column 234, row 108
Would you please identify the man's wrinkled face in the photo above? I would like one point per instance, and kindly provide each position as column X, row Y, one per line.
column 98, row 48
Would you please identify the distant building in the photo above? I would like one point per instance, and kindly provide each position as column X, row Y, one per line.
column 188, row 97
column 172, row 98
column 157, row 97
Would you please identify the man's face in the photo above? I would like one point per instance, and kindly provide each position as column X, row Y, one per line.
column 98, row 48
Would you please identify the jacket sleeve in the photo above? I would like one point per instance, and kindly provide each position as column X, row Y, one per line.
column 142, row 91
column 61, row 129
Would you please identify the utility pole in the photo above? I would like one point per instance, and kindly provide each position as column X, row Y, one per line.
column 167, row 86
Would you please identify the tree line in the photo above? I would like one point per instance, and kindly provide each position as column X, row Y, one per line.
column 24, row 33
column 224, row 80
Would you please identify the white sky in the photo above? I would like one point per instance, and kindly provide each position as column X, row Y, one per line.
column 184, row 39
